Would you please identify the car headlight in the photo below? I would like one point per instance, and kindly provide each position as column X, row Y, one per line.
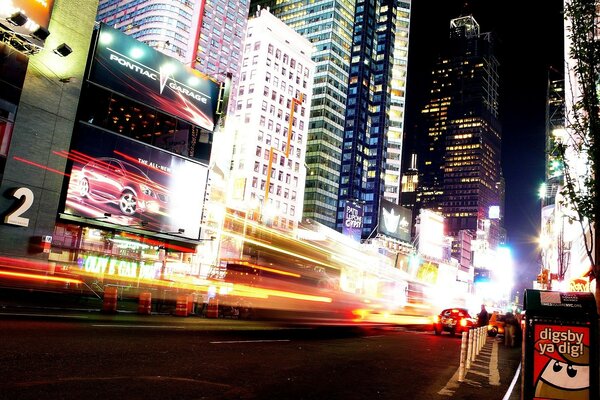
column 147, row 191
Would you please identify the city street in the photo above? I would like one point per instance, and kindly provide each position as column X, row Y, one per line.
column 96, row 356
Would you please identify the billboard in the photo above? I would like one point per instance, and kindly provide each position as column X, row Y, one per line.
column 353, row 220
column 394, row 221
column 136, row 70
column 124, row 182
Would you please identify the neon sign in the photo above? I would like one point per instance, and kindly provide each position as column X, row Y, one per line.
column 101, row 265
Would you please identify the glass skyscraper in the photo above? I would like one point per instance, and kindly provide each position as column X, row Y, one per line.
column 460, row 137
column 357, row 111
column 373, row 130
column 328, row 25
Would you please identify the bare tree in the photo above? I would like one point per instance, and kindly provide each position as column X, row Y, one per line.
column 579, row 149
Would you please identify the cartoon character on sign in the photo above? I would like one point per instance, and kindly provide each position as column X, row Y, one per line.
column 562, row 363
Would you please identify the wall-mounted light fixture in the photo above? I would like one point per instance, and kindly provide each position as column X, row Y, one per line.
column 179, row 232
column 17, row 19
column 41, row 33
column 63, row 50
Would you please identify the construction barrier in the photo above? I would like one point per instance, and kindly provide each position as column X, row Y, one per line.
column 109, row 304
column 181, row 307
column 212, row 309
column 145, row 303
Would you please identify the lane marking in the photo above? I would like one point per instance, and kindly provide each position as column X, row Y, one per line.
column 137, row 326
column 451, row 385
column 249, row 341
column 512, row 384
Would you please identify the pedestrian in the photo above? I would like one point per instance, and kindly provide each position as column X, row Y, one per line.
column 483, row 316
column 510, row 325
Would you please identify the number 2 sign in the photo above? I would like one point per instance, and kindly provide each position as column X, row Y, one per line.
column 25, row 196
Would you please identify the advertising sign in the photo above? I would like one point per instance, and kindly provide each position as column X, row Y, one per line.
column 395, row 221
column 353, row 220
column 141, row 73
column 124, row 182
column 561, row 362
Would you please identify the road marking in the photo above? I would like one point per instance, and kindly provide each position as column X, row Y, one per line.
column 451, row 385
column 250, row 341
column 137, row 326
column 512, row 384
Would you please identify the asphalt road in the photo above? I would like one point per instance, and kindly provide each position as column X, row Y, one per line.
column 136, row 357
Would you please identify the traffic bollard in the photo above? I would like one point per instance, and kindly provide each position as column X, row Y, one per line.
column 463, row 356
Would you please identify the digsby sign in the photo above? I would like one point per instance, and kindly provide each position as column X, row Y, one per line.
column 137, row 71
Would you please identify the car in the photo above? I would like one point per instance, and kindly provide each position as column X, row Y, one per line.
column 453, row 320
column 496, row 324
column 111, row 180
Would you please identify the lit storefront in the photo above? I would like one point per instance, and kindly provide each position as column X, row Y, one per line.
column 132, row 206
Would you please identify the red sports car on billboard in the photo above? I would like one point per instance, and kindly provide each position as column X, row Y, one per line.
column 123, row 184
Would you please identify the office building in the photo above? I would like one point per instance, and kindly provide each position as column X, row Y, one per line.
column 374, row 118
column 460, row 173
column 270, row 123
column 328, row 25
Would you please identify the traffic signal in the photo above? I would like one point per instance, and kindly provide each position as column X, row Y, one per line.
column 545, row 276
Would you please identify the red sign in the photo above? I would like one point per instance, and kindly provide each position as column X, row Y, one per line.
column 561, row 362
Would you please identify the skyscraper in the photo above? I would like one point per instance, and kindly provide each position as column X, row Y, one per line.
column 270, row 123
column 460, row 136
column 328, row 25
column 357, row 112
column 373, row 130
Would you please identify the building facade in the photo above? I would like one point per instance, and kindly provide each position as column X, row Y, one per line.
column 328, row 26
column 460, row 173
column 270, row 123
column 374, row 119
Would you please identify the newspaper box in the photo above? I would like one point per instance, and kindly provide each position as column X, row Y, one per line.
column 560, row 346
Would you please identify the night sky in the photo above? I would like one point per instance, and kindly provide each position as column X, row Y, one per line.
column 530, row 40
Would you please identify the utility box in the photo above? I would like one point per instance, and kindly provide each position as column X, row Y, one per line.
column 560, row 346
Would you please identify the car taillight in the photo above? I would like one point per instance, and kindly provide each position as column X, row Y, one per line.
column 463, row 322
column 436, row 318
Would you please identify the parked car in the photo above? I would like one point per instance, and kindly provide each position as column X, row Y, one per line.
column 453, row 320
column 496, row 324
column 121, row 183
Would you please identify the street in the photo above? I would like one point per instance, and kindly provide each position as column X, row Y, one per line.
column 95, row 356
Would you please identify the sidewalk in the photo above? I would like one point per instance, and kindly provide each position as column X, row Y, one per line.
column 493, row 374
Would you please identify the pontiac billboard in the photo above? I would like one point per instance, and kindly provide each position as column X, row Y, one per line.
column 136, row 70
